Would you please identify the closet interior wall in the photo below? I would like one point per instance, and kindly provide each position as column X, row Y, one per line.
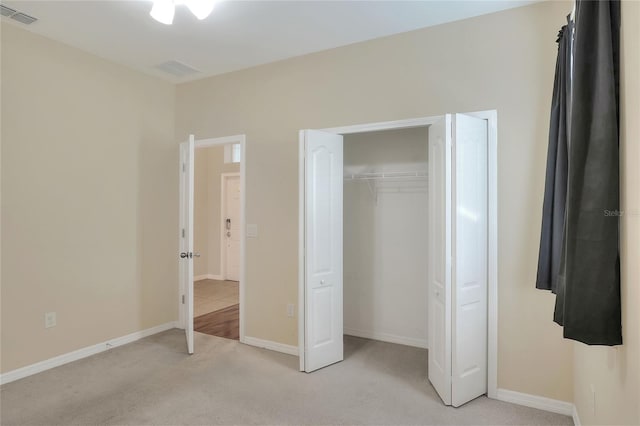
column 385, row 235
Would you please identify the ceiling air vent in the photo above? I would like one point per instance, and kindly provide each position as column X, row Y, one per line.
column 7, row 11
column 176, row 68
column 18, row 16
column 24, row 18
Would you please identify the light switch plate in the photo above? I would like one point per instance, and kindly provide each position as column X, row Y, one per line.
column 252, row 230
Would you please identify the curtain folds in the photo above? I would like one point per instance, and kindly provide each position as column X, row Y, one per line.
column 587, row 283
column 555, row 191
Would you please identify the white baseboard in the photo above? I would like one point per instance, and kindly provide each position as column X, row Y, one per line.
column 208, row 277
column 59, row 360
column 534, row 401
column 268, row 344
column 385, row 337
column 576, row 418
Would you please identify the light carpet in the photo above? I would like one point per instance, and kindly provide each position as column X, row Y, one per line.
column 154, row 381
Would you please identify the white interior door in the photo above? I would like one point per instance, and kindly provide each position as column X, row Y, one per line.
column 232, row 227
column 469, row 308
column 322, row 249
column 439, row 258
column 187, row 155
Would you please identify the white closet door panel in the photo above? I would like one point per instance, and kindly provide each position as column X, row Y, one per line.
column 323, row 249
column 439, row 257
column 469, row 340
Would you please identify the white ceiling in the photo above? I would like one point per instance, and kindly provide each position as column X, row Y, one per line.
column 238, row 34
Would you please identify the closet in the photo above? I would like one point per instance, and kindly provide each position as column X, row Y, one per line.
column 394, row 244
column 385, row 236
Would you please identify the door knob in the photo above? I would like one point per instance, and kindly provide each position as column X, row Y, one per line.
column 189, row 255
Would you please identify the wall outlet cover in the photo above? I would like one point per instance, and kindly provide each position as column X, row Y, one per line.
column 252, row 231
column 49, row 319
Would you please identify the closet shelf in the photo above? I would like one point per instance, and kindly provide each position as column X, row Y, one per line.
column 375, row 182
column 387, row 176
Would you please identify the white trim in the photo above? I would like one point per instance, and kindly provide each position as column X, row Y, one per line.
column 575, row 416
column 534, row 401
column 59, row 360
column 207, row 143
column 301, row 263
column 492, row 258
column 208, row 277
column 386, row 337
column 492, row 279
column 223, row 208
column 384, row 125
column 272, row 346
column 224, row 140
column 243, row 234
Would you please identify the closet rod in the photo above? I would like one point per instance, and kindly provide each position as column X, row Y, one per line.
column 386, row 175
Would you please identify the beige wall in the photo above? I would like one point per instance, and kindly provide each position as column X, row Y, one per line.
column 210, row 166
column 89, row 199
column 614, row 373
column 503, row 61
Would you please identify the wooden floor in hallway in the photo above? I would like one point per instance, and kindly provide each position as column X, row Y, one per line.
column 216, row 308
column 222, row 323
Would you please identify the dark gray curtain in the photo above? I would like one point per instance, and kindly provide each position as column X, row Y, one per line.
column 588, row 283
column 555, row 190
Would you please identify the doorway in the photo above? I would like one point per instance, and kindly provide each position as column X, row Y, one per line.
column 212, row 238
column 462, row 211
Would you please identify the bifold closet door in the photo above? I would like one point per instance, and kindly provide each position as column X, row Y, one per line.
column 457, row 260
column 322, row 249
column 470, row 246
column 439, row 257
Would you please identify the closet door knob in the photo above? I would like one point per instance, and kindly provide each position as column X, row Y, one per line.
column 321, row 282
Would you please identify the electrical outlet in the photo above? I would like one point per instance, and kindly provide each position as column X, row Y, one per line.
column 252, row 230
column 290, row 310
column 49, row 319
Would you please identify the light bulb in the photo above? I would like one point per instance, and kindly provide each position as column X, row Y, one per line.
column 163, row 11
column 200, row 8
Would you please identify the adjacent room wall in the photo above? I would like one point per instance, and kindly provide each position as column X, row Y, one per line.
column 502, row 61
column 89, row 199
column 385, row 238
column 210, row 166
column 614, row 373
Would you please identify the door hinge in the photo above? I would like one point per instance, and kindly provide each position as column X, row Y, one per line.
column 183, row 232
column 184, row 167
column 183, row 299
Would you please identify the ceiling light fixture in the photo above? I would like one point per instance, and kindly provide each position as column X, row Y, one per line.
column 164, row 10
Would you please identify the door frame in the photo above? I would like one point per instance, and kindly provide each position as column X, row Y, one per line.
column 207, row 143
column 492, row 227
column 223, row 207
